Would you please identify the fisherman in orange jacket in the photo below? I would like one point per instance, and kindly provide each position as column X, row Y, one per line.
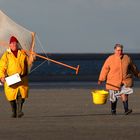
column 15, row 61
column 117, row 72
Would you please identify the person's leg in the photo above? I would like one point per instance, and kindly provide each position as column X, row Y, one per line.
column 113, row 100
column 125, row 104
column 20, row 102
column 113, row 107
column 14, row 108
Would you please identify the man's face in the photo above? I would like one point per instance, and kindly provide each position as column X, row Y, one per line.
column 13, row 46
column 118, row 51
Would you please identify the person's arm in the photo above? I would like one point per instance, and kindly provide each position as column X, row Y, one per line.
column 3, row 67
column 28, row 61
column 134, row 69
column 104, row 72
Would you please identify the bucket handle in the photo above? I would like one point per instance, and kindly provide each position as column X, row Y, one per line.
column 100, row 86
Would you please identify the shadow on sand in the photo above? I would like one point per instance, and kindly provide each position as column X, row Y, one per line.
column 83, row 115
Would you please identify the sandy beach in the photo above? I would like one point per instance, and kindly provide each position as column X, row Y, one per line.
column 64, row 111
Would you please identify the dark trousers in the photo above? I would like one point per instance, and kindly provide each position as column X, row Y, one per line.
column 125, row 104
column 17, row 105
column 114, row 106
column 20, row 102
column 14, row 108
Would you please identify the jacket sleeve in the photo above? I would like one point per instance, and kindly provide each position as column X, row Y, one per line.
column 29, row 65
column 3, row 65
column 104, row 71
column 29, row 60
column 134, row 69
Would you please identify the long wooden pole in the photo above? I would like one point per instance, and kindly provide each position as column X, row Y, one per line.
column 60, row 63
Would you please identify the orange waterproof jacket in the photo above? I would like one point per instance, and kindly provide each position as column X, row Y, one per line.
column 117, row 71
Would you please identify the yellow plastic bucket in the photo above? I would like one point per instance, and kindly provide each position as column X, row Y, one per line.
column 99, row 96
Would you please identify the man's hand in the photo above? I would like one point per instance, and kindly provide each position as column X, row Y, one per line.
column 99, row 82
column 139, row 75
column 2, row 80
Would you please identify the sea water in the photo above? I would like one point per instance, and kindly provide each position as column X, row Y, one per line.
column 90, row 67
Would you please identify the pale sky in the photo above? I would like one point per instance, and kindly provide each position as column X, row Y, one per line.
column 79, row 26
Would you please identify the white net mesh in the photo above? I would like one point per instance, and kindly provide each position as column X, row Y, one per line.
column 9, row 28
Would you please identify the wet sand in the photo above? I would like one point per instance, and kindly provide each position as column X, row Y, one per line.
column 66, row 112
